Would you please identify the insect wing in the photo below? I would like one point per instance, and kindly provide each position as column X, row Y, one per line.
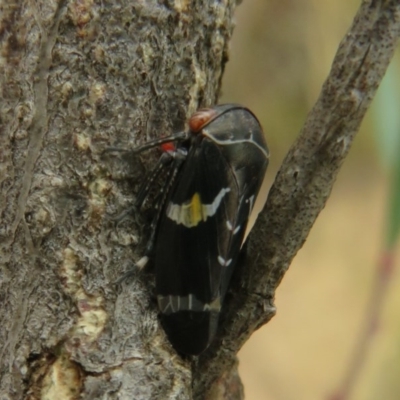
column 198, row 241
column 191, row 232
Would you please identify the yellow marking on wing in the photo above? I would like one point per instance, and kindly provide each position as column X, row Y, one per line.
column 194, row 211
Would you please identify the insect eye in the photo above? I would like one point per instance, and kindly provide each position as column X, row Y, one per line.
column 169, row 146
column 201, row 118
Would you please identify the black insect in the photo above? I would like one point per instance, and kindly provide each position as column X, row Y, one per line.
column 216, row 169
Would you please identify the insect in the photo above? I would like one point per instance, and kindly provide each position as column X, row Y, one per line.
column 215, row 171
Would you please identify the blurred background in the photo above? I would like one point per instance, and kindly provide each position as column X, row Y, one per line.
column 280, row 55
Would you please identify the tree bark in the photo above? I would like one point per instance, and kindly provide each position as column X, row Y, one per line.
column 79, row 76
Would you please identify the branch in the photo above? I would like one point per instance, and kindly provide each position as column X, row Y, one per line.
column 305, row 180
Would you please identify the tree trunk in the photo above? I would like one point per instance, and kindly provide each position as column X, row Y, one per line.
column 79, row 76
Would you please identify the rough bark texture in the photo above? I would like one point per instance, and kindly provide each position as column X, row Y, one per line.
column 78, row 76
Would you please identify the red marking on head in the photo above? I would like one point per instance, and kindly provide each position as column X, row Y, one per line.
column 201, row 118
column 169, row 146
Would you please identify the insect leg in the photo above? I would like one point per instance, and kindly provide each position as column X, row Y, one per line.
column 175, row 160
column 179, row 157
column 165, row 160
